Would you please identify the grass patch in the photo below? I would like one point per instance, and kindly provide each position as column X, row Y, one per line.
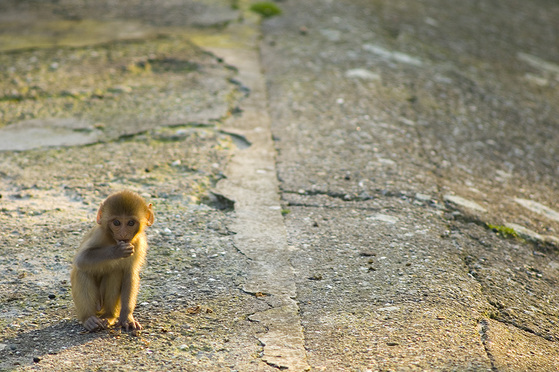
column 505, row 232
column 266, row 9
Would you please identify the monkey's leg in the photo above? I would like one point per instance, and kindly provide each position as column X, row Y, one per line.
column 110, row 289
column 85, row 293
column 130, row 287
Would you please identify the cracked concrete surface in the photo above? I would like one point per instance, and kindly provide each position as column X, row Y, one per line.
column 428, row 139
column 358, row 185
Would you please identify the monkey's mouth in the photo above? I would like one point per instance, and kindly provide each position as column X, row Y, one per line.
column 124, row 240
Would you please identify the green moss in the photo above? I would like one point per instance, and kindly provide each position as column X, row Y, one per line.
column 266, row 9
column 491, row 314
column 285, row 212
column 505, row 232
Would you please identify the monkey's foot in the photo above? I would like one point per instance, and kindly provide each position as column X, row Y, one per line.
column 129, row 324
column 93, row 323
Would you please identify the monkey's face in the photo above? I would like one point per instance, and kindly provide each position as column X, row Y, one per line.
column 124, row 228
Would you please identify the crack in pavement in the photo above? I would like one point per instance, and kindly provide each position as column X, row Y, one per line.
column 498, row 314
column 354, row 200
column 261, row 235
column 364, row 196
column 483, row 332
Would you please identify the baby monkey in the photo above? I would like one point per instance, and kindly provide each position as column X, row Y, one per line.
column 106, row 270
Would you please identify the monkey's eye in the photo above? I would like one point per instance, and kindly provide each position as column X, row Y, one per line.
column 131, row 223
column 116, row 222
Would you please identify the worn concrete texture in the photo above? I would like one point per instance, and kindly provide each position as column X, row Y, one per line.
column 410, row 135
column 350, row 185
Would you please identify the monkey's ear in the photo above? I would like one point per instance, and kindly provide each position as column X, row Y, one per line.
column 100, row 214
column 150, row 216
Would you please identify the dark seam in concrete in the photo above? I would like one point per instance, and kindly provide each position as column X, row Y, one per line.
column 483, row 329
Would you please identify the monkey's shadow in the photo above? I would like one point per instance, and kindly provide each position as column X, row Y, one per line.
column 27, row 346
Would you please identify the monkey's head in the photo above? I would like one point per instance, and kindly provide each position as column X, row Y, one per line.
column 125, row 214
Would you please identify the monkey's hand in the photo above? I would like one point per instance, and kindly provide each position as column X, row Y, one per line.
column 124, row 249
column 93, row 324
column 129, row 324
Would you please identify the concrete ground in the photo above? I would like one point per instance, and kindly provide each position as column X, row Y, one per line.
column 348, row 185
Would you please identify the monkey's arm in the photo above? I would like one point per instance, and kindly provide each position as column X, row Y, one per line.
column 97, row 251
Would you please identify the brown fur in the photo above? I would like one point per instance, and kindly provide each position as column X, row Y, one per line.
column 105, row 274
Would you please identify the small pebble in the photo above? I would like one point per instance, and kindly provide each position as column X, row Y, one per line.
column 36, row 360
column 423, row 197
column 52, row 296
column 367, row 254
